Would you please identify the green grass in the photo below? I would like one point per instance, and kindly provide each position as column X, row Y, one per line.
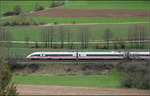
column 134, row 5
column 119, row 31
column 79, row 20
column 89, row 20
column 26, row 6
column 108, row 81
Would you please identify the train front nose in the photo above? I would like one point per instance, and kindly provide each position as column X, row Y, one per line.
column 28, row 57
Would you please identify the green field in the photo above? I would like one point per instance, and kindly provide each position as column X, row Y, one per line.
column 108, row 81
column 29, row 5
column 26, row 6
column 134, row 5
column 119, row 31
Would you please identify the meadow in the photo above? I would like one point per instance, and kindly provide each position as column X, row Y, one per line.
column 111, row 80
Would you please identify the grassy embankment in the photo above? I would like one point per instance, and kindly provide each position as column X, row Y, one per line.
column 111, row 80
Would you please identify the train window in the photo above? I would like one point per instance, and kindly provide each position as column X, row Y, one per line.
column 104, row 55
column 36, row 55
column 140, row 54
column 58, row 54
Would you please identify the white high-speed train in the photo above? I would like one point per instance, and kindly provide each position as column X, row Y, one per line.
column 88, row 55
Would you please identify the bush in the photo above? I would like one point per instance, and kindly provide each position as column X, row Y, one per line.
column 56, row 4
column 9, row 13
column 38, row 7
column 6, row 23
column 33, row 67
column 135, row 75
column 98, row 67
column 17, row 9
column 55, row 23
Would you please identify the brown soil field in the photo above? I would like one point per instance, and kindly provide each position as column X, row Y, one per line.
column 60, row 12
column 69, row 90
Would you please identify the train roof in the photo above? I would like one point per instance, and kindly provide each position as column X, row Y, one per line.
column 52, row 52
column 90, row 52
column 78, row 52
column 139, row 52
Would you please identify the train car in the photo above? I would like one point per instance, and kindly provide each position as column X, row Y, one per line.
column 101, row 55
column 76, row 55
column 139, row 55
column 51, row 55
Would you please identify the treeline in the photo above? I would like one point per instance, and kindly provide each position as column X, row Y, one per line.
column 17, row 10
column 22, row 20
column 64, row 37
column 71, row 38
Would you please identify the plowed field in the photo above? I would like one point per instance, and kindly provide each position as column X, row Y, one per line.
column 60, row 12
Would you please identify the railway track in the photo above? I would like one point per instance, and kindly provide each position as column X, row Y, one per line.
column 22, row 62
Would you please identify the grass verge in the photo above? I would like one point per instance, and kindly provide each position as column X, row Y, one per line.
column 111, row 80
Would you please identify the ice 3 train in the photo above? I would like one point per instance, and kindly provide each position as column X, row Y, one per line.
column 89, row 55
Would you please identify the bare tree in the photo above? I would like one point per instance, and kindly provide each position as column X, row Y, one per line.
column 51, row 31
column 45, row 37
column 68, row 36
column 62, row 33
column 26, row 39
column 81, row 38
column 6, row 36
column 87, row 34
column 130, row 38
column 83, row 35
column 135, row 32
column 107, row 35
column 42, row 36
column 143, row 36
column 137, row 35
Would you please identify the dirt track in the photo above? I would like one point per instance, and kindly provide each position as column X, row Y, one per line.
column 50, row 24
column 60, row 12
column 68, row 90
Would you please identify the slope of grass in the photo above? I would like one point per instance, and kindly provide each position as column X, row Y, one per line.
column 108, row 81
column 134, row 5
